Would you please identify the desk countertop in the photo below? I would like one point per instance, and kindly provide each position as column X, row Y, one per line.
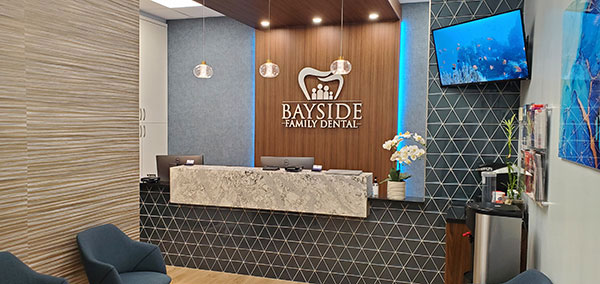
column 244, row 187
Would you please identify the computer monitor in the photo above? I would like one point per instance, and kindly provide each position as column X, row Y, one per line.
column 165, row 162
column 284, row 162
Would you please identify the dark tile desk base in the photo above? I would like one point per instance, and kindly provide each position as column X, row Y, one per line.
column 397, row 243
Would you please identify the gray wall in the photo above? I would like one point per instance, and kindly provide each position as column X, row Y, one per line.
column 563, row 238
column 214, row 116
column 415, row 22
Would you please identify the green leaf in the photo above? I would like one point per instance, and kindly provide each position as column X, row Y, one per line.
column 396, row 175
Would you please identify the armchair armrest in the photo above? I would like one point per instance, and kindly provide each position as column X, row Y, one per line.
column 41, row 278
column 100, row 273
column 150, row 258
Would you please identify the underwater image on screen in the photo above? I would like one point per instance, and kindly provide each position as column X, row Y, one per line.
column 489, row 49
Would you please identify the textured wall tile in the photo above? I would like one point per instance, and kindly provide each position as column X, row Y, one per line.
column 69, row 144
column 13, row 134
column 213, row 116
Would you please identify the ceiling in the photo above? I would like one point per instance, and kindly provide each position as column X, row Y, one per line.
column 283, row 12
column 300, row 12
column 150, row 7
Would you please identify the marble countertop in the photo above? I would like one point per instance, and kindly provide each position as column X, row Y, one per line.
column 245, row 187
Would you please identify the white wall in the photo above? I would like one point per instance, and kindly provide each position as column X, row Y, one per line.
column 563, row 238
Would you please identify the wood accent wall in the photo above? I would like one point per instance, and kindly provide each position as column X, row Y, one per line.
column 68, row 127
column 373, row 50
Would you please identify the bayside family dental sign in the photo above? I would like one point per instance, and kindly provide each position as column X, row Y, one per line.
column 322, row 109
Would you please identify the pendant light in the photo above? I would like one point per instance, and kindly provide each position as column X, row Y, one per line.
column 203, row 70
column 341, row 66
column 269, row 69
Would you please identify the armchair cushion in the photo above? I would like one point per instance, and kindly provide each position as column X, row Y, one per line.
column 531, row 276
column 145, row 278
column 14, row 271
column 108, row 253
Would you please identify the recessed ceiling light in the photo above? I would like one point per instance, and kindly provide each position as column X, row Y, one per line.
column 373, row 16
column 265, row 23
column 178, row 3
column 317, row 20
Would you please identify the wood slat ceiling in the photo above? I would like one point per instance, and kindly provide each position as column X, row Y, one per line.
column 286, row 13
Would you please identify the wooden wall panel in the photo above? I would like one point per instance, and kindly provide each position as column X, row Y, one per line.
column 77, row 118
column 373, row 50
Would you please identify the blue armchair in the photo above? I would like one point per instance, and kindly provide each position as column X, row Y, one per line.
column 530, row 277
column 13, row 271
column 110, row 257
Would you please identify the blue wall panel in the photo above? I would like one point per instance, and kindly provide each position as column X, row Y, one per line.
column 412, row 92
column 214, row 117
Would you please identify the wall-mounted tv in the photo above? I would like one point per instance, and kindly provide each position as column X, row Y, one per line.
column 484, row 50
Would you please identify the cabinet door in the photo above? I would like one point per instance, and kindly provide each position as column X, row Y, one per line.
column 141, row 152
column 153, row 71
column 459, row 257
column 154, row 142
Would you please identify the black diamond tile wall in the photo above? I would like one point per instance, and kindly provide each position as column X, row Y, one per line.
column 397, row 243
column 463, row 123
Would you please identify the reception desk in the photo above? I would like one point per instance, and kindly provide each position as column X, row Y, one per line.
column 243, row 187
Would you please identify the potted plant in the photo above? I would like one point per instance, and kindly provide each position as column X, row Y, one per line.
column 514, row 187
column 403, row 155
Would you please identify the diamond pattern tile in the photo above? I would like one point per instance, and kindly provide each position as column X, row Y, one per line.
column 463, row 123
column 397, row 243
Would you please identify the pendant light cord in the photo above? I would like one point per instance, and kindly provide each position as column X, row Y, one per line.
column 269, row 34
column 203, row 28
column 342, row 30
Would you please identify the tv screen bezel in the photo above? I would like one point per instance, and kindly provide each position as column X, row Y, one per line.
column 525, row 43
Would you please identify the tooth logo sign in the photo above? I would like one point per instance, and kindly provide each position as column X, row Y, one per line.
column 323, row 110
column 320, row 92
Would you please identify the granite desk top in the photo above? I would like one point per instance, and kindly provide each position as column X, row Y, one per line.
column 244, row 187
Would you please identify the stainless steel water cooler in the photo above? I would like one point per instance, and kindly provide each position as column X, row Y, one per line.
column 497, row 241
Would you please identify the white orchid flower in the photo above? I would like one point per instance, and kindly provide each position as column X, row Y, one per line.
column 408, row 153
column 389, row 144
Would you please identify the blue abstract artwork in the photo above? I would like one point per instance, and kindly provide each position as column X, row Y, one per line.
column 580, row 103
column 484, row 50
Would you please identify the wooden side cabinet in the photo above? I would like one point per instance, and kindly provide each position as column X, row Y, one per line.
column 459, row 258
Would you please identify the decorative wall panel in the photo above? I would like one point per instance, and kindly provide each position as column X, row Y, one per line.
column 397, row 243
column 373, row 51
column 13, row 131
column 463, row 124
column 212, row 117
column 69, row 144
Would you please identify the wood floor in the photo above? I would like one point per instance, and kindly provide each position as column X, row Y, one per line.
column 181, row 275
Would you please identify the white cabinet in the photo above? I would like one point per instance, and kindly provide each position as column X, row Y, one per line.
column 153, row 71
column 153, row 93
column 153, row 142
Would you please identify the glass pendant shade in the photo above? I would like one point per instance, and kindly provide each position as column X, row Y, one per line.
column 340, row 66
column 269, row 69
column 203, row 71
